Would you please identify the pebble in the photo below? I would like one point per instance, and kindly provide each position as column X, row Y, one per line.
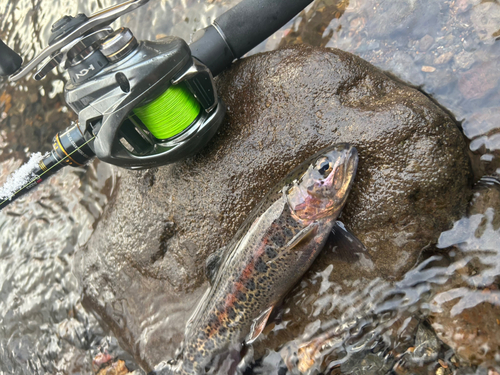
column 116, row 368
column 461, row 6
column 463, row 60
column 33, row 96
column 427, row 346
column 444, row 58
column 425, row 43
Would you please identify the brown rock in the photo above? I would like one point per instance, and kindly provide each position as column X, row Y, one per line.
column 474, row 332
column 142, row 271
column 444, row 58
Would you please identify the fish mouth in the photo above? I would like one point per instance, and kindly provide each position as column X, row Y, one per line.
column 349, row 162
column 350, row 157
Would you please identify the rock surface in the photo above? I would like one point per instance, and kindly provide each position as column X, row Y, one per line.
column 466, row 309
column 142, row 271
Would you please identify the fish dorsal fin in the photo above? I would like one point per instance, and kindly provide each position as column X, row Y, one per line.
column 259, row 324
column 212, row 264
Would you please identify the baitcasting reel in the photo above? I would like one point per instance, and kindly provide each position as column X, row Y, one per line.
column 146, row 103
column 140, row 104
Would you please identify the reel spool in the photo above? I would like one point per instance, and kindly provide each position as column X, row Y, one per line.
column 170, row 113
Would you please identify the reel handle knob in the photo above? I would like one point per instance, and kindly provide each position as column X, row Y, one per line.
column 60, row 23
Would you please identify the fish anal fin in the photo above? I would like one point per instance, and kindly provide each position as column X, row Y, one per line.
column 259, row 324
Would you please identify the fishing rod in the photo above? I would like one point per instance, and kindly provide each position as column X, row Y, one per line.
column 140, row 104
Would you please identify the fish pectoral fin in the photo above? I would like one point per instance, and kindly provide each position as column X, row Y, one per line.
column 347, row 247
column 302, row 235
column 212, row 264
column 259, row 324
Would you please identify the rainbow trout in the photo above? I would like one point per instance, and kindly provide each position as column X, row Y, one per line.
column 270, row 252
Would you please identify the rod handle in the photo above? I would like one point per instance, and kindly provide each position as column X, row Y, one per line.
column 240, row 29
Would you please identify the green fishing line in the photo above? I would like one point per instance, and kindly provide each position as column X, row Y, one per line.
column 170, row 113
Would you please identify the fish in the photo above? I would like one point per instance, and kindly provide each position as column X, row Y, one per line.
column 268, row 255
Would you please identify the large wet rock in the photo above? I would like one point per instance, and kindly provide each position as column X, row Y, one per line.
column 142, row 272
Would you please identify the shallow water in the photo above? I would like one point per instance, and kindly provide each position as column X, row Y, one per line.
column 447, row 48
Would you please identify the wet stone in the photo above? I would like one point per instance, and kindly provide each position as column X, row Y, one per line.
column 366, row 363
column 404, row 65
column 480, row 80
column 464, row 60
column 425, row 43
column 426, row 346
column 116, row 368
column 412, row 183
column 474, row 333
column 465, row 312
column 444, row 58
column 486, row 20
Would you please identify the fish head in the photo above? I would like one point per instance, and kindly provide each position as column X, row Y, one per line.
column 322, row 190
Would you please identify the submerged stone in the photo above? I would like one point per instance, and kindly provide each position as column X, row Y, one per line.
column 465, row 312
column 142, row 272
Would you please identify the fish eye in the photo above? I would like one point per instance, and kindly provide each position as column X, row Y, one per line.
column 324, row 166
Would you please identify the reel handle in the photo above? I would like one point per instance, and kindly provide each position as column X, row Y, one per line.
column 234, row 33
column 67, row 32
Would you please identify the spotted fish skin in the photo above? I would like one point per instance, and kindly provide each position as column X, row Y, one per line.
column 269, row 254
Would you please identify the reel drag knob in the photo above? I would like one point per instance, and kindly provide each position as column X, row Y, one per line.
column 118, row 44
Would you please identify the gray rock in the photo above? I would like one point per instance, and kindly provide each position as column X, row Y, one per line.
column 403, row 65
column 486, row 19
column 142, row 271
column 464, row 60
column 414, row 17
column 425, row 43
